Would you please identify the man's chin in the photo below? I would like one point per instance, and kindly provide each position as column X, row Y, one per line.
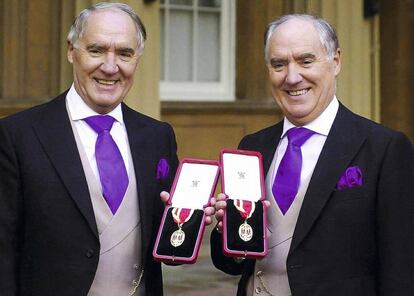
column 104, row 105
column 299, row 117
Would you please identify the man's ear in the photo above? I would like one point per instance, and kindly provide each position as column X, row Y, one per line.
column 337, row 61
column 70, row 52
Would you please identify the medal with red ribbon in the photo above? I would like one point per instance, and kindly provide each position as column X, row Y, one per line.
column 180, row 216
column 246, row 209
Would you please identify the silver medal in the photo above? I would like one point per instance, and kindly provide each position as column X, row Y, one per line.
column 177, row 238
column 245, row 232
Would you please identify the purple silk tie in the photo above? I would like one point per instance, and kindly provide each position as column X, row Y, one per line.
column 286, row 184
column 111, row 167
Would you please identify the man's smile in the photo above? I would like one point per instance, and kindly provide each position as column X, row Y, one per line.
column 298, row 92
column 105, row 81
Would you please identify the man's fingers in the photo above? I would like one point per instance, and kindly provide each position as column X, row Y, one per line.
column 165, row 196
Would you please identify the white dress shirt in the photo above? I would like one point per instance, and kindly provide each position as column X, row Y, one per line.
column 79, row 110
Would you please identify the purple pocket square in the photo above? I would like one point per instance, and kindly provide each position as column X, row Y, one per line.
column 163, row 169
column 352, row 177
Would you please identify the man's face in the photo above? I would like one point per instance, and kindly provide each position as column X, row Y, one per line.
column 302, row 75
column 104, row 59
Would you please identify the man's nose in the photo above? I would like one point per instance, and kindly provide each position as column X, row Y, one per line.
column 293, row 75
column 109, row 65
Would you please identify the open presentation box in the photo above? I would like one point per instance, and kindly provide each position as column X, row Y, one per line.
column 183, row 222
column 244, row 221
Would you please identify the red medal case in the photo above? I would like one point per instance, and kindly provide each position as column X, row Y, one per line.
column 194, row 184
column 242, row 181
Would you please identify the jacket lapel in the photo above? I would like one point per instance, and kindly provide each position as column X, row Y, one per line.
column 343, row 142
column 269, row 148
column 266, row 144
column 137, row 134
column 56, row 136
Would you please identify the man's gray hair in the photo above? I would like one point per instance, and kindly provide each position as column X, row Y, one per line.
column 78, row 26
column 327, row 33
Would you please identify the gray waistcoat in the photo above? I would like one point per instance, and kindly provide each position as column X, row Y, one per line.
column 119, row 236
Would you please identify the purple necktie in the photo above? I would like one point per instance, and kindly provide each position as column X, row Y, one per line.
column 287, row 178
column 111, row 167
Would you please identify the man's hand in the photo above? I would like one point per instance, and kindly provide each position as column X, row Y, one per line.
column 220, row 204
column 210, row 211
column 165, row 196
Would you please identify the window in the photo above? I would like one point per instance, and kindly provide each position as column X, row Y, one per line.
column 197, row 50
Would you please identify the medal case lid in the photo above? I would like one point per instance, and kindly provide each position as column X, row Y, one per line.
column 242, row 181
column 194, row 184
column 242, row 174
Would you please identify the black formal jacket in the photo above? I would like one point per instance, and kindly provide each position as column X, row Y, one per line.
column 49, row 241
column 353, row 242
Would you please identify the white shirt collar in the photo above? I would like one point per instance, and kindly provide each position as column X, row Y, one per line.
column 321, row 124
column 79, row 110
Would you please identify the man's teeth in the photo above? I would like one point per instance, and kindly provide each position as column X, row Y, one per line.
column 297, row 92
column 107, row 82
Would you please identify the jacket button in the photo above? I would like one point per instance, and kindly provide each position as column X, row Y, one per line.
column 297, row 266
column 89, row 253
column 258, row 290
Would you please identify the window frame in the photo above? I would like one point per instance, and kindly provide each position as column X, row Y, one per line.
column 224, row 89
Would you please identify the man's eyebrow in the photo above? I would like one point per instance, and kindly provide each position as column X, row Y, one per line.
column 306, row 56
column 278, row 60
column 126, row 50
column 94, row 46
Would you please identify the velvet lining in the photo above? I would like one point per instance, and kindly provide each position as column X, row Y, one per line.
column 233, row 222
column 191, row 229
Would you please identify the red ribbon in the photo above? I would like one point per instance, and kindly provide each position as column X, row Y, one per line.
column 245, row 207
column 181, row 215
